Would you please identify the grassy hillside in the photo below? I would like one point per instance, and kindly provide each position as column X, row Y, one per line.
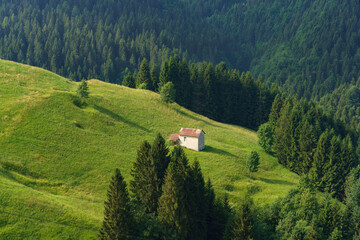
column 56, row 159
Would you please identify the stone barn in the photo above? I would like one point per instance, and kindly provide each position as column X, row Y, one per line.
column 190, row 138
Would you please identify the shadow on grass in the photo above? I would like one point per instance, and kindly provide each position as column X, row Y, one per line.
column 118, row 118
column 193, row 117
column 217, row 151
column 276, row 181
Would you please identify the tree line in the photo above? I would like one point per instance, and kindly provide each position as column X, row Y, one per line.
column 307, row 48
column 217, row 92
column 169, row 199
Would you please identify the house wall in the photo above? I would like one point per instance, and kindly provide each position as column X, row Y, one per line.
column 189, row 142
column 201, row 141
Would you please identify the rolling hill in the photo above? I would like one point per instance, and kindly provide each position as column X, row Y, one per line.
column 56, row 158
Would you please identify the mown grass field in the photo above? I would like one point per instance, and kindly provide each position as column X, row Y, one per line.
column 56, row 159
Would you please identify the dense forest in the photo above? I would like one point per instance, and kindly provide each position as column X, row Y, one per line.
column 308, row 142
column 169, row 199
column 307, row 47
column 214, row 91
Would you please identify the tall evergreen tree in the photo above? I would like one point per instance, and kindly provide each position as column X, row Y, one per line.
column 160, row 154
column 172, row 203
column 83, row 90
column 144, row 75
column 118, row 219
column 154, row 78
column 197, row 203
column 321, row 158
column 164, row 74
column 145, row 185
column 244, row 222
column 129, row 80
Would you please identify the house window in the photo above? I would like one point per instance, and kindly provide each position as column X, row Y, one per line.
column 184, row 139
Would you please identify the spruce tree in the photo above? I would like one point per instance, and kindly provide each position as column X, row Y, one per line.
column 168, row 93
column 244, row 223
column 154, row 78
column 172, row 203
column 83, row 90
column 164, row 74
column 307, row 146
column 197, row 202
column 252, row 163
column 160, row 154
column 145, row 185
column 117, row 223
column 266, row 137
column 144, row 75
column 321, row 158
column 129, row 80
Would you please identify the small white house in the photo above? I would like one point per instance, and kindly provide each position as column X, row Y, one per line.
column 190, row 138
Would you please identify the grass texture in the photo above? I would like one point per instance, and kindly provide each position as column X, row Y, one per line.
column 56, row 158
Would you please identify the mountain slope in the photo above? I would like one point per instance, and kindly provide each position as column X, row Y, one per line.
column 56, row 158
column 308, row 47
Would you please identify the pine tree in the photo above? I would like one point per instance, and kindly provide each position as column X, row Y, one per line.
column 164, row 74
column 321, row 158
column 83, row 90
column 144, row 77
column 275, row 109
column 145, row 185
column 266, row 137
column 154, row 78
column 185, row 86
column 252, row 163
column 129, row 80
column 160, row 154
column 244, row 223
column 172, row 203
column 168, row 93
column 197, row 202
column 307, row 146
column 118, row 219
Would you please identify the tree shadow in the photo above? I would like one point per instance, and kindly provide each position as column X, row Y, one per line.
column 217, row 151
column 276, row 181
column 193, row 117
column 118, row 118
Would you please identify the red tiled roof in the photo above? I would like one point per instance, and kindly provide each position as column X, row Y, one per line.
column 190, row 132
column 174, row 137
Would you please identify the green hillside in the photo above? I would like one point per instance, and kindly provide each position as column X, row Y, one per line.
column 57, row 159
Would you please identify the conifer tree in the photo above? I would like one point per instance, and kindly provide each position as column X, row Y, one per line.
column 164, row 74
column 184, row 88
column 307, row 146
column 83, row 90
column 168, row 93
column 117, row 223
column 244, row 223
column 275, row 109
column 252, row 163
column 154, row 78
column 129, row 80
column 145, row 185
column 197, row 202
column 321, row 158
column 144, row 75
column 172, row 203
column 266, row 137
column 160, row 154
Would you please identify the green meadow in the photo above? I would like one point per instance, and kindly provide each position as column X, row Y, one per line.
column 56, row 158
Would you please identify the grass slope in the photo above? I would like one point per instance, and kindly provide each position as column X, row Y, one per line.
column 56, row 159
